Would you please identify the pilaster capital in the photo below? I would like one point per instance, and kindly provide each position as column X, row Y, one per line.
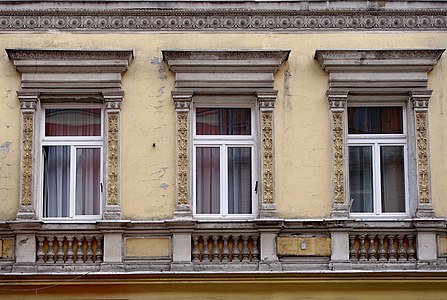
column 266, row 99
column 337, row 99
column 419, row 99
column 113, row 99
column 28, row 99
column 182, row 100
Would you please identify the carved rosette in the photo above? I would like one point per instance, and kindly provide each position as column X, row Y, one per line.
column 338, row 157
column 113, row 157
column 422, row 155
column 267, row 157
column 27, row 157
column 182, row 158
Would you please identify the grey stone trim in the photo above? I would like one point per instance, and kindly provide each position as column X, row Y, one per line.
column 223, row 19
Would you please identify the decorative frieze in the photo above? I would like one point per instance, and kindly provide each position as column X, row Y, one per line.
column 223, row 19
column 112, row 158
column 338, row 157
column 422, row 157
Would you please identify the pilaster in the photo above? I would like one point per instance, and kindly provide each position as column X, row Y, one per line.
column 28, row 105
column 266, row 104
column 112, row 102
column 182, row 102
column 337, row 106
column 419, row 101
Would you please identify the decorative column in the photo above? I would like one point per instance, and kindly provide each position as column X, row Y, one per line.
column 266, row 103
column 182, row 101
column 28, row 105
column 112, row 102
column 337, row 103
column 419, row 100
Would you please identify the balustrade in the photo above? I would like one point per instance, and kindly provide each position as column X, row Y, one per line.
column 62, row 249
column 215, row 248
column 394, row 247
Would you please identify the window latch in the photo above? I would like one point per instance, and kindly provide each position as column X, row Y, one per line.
column 100, row 185
column 256, row 187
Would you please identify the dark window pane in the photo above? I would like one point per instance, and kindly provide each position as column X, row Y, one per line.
column 88, row 176
column 223, row 121
column 208, row 180
column 361, row 178
column 73, row 122
column 239, row 180
column 392, row 178
column 375, row 120
column 56, row 181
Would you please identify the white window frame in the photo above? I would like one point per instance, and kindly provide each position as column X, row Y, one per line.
column 376, row 141
column 224, row 142
column 75, row 143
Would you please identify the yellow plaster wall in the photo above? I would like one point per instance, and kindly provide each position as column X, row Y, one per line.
column 301, row 116
column 148, row 247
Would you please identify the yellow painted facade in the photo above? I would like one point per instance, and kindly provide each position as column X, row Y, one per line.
column 147, row 118
column 301, row 240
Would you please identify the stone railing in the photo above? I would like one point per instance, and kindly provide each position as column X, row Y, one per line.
column 69, row 249
column 383, row 247
column 225, row 248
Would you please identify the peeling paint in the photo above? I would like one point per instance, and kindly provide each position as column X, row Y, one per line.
column 5, row 147
column 164, row 186
column 24, row 241
column 161, row 70
column 161, row 173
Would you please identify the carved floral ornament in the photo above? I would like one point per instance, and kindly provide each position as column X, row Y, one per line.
column 222, row 19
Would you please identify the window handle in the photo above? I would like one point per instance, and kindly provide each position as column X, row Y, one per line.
column 101, row 187
column 256, row 187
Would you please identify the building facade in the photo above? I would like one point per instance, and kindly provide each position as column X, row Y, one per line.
column 221, row 149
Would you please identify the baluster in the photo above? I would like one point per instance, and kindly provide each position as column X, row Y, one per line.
column 195, row 248
column 372, row 248
column 245, row 251
column 50, row 253
column 70, row 252
column 352, row 251
column 254, row 249
column 99, row 249
column 391, row 250
column 80, row 250
column 206, row 250
column 60, row 249
column 40, row 249
column 382, row 250
column 231, row 249
column 215, row 257
column 410, row 249
column 400, row 247
column 362, row 248
column 89, row 252
column 225, row 250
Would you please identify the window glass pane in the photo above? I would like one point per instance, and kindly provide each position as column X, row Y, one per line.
column 56, row 180
column 88, row 176
column 73, row 122
column 361, row 178
column 223, row 121
column 392, row 178
column 239, row 180
column 375, row 120
column 208, row 180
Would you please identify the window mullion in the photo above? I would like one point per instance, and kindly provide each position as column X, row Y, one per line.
column 72, row 181
column 378, row 181
column 224, row 180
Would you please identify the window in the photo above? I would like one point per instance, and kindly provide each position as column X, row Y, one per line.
column 223, row 152
column 72, row 162
column 377, row 146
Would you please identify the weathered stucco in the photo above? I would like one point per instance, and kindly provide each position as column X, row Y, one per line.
column 302, row 158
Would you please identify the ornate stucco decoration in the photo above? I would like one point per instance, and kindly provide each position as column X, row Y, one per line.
column 225, row 72
column 112, row 160
column 243, row 16
column 375, row 75
column 101, row 83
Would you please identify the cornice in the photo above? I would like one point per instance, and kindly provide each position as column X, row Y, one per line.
column 69, row 54
column 221, row 19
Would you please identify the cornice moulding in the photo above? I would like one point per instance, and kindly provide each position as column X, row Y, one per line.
column 222, row 19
